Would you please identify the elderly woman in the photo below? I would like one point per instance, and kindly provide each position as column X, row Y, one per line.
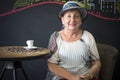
column 74, row 52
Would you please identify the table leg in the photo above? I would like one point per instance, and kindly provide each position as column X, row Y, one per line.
column 2, row 72
column 24, row 73
column 13, row 66
column 18, row 64
column 14, row 74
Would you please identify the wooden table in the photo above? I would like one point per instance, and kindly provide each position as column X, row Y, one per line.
column 13, row 55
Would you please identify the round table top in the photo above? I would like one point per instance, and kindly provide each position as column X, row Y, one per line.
column 19, row 52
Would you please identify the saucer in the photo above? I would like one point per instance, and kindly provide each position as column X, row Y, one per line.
column 28, row 48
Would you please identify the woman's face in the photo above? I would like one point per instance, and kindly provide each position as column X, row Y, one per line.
column 71, row 19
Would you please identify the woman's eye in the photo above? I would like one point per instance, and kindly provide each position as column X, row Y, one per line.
column 77, row 16
column 68, row 16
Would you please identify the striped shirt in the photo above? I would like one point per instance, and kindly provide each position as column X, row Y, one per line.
column 75, row 56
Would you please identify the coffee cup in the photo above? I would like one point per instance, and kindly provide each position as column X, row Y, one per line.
column 30, row 43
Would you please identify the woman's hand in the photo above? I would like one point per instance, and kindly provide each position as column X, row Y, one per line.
column 77, row 77
column 85, row 77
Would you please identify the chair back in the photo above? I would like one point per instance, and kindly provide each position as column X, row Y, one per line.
column 108, row 55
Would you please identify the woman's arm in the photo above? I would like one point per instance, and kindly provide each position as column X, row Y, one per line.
column 94, row 70
column 96, row 63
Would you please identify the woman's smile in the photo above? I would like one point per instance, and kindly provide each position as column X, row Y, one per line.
column 72, row 24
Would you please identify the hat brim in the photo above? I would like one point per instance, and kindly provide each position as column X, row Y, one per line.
column 83, row 12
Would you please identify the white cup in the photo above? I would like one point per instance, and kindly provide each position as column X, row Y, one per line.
column 29, row 43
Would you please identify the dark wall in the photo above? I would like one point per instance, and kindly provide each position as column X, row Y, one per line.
column 39, row 22
column 35, row 23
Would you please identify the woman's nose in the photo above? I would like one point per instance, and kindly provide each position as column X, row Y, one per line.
column 72, row 18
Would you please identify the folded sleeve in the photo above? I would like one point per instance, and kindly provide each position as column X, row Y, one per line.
column 53, row 47
column 54, row 58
